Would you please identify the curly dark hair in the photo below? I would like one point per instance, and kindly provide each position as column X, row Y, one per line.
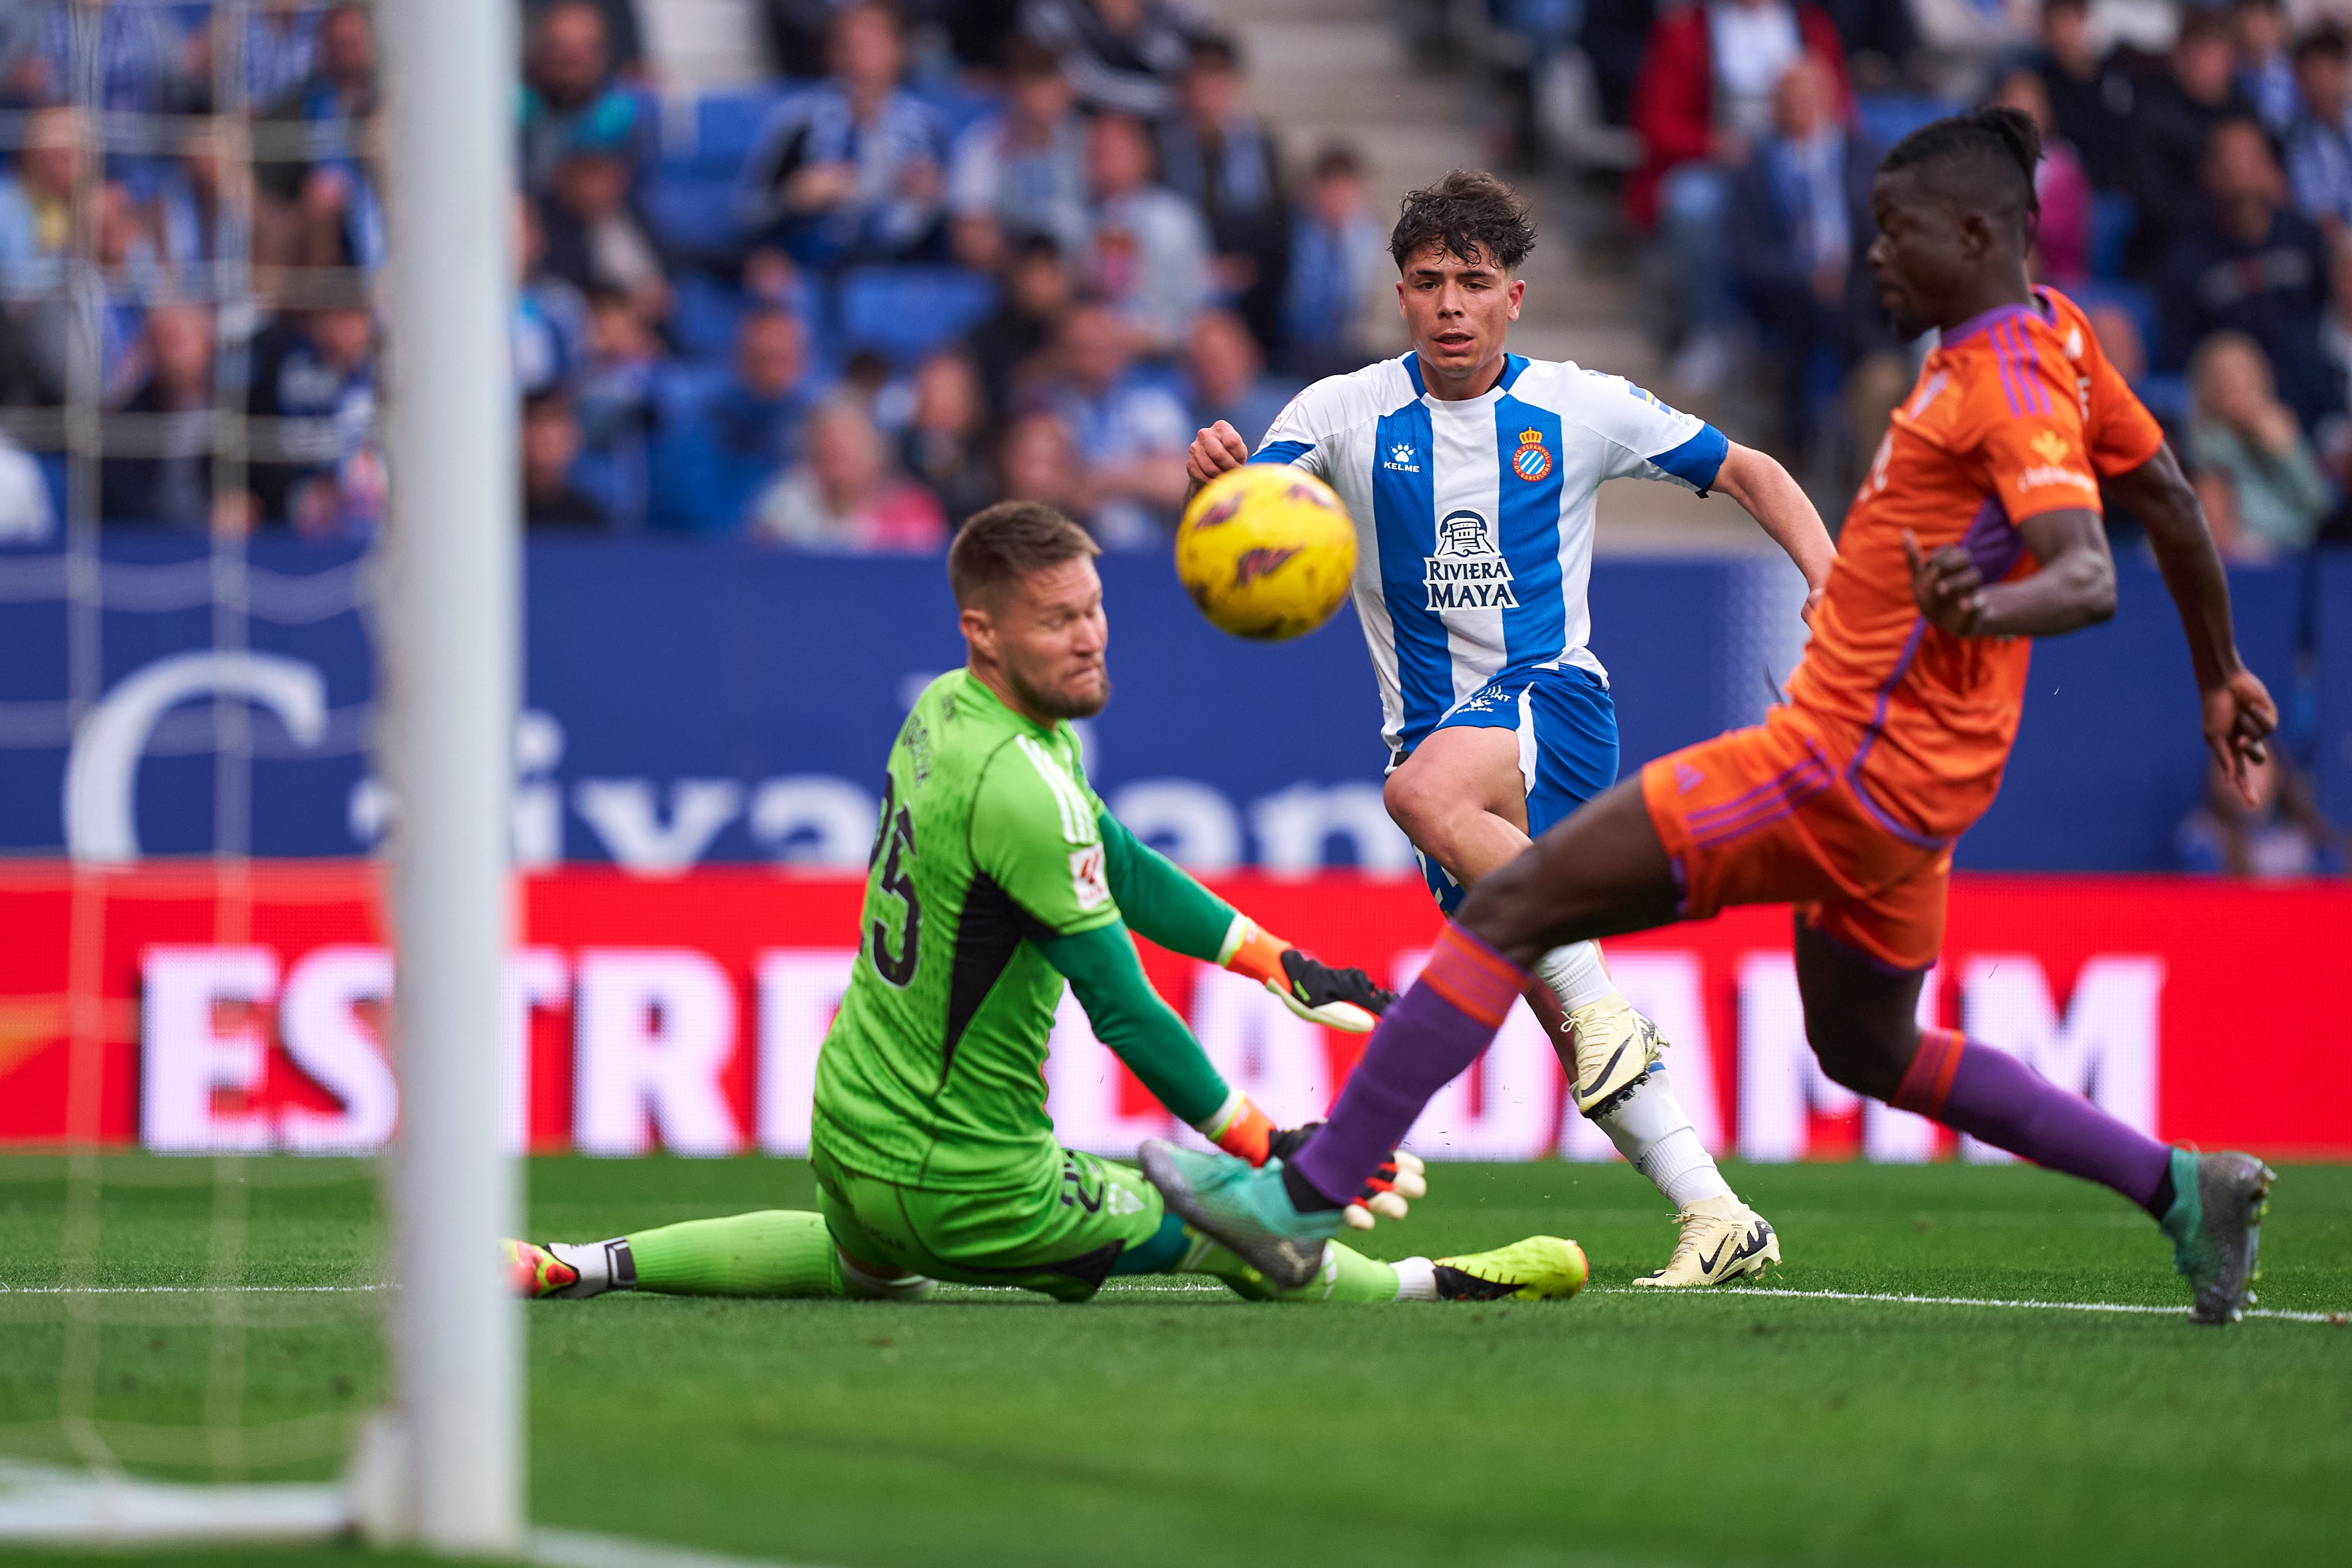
column 1470, row 215
column 1985, row 156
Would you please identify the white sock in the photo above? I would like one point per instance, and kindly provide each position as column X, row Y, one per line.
column 1416, row 1280
column 1650, row 1129
column 602, row 1265
column 877, row 1288
column 1576, row 976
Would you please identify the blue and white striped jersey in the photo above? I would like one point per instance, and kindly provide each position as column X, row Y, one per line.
column 1474, row 520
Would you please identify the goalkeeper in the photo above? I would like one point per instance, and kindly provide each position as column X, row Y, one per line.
column 997, row 875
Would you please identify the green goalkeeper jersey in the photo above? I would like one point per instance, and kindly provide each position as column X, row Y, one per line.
column 990, row 843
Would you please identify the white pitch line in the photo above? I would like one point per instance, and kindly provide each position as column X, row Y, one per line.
column 186, row 1289
column 578, row 1549
column 2338, row 1319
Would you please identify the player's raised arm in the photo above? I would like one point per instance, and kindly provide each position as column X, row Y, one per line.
column 2239, row 714
column 1166, row 905
column 1216, row 449
column 1295, row 439
column 1649, row 440
column 1781, row 506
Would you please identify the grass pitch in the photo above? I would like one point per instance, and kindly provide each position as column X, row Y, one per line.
column 1170, row 1423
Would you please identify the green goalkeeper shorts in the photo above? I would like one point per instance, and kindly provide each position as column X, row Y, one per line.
column 1063, row 1232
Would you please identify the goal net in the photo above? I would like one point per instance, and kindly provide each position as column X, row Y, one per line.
column 200, row 1092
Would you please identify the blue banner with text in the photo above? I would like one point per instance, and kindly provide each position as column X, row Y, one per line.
column 690, row 702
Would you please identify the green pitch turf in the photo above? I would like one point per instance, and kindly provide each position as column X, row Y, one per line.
column 1164, row 1424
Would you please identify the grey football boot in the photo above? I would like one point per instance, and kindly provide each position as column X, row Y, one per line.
column 1245, row 1209
column 2215, row 1223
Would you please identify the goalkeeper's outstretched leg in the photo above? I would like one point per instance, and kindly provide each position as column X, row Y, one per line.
column 783, row 1254
column 1096, row 1221
column 777, row 1253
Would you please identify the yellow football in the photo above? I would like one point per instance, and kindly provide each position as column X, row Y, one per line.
column 1266, row 551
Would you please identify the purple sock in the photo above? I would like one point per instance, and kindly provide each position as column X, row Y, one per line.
column 1998, row 1099
column 1435, row 1030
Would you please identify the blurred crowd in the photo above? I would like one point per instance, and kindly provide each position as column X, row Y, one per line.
column 949, row 253
column 2194, row 198
column 965, row 249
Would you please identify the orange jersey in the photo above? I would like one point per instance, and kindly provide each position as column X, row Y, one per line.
column 2016, row 414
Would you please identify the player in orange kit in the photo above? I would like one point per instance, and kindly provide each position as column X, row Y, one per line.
column 1977, row 529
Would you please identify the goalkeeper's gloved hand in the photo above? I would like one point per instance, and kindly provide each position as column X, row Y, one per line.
column 1399, row 1177
column 1341, row 998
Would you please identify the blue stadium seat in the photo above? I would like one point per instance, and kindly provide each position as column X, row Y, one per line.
column 905, row 312
column 727, row 124
column 2166, row 396
column 690, row 212
column 1166, row 377
column 53, row 467
column 679, row 391
column 707, row 312
column 2114, row 218
column 1888, row 117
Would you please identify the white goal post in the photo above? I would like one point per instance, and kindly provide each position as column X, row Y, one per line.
column 443, row 1467
column 450, row 673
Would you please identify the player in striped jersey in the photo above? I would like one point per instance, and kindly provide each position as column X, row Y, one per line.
column 1979, row 529
column 1472, row 473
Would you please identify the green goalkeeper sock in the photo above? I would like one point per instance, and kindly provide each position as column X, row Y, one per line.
column 773, row 1252
column 776, row 1252
column 1347, row 1275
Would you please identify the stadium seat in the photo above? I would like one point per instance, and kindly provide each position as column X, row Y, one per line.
column 54, row 466
column 1888, row 117
column 2168, row 397
column 706, row 314
column 905, row 312
column 727, row 124
column 688, row 198
column 2113, row 219
column 690, row 212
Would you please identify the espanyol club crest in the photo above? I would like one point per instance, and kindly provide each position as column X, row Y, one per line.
column 1532, row 461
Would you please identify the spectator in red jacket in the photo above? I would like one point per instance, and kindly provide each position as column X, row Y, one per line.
column 1704, row 97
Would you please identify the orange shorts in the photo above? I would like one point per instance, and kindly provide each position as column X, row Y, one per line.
column 1770, row 814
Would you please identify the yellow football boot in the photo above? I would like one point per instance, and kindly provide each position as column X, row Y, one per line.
column 535, row 1273
column 1540, row 1269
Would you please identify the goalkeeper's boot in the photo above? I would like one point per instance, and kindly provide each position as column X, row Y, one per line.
column 2215, row 1223
column 1540, row 1268
column 534, row 1272
column 1615, row 1048
column 1722, row 1238
column 1247, row 1209
column 572, row 1271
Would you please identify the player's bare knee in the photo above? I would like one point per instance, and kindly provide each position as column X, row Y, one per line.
column 1406, row 801
column 1429, row 814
